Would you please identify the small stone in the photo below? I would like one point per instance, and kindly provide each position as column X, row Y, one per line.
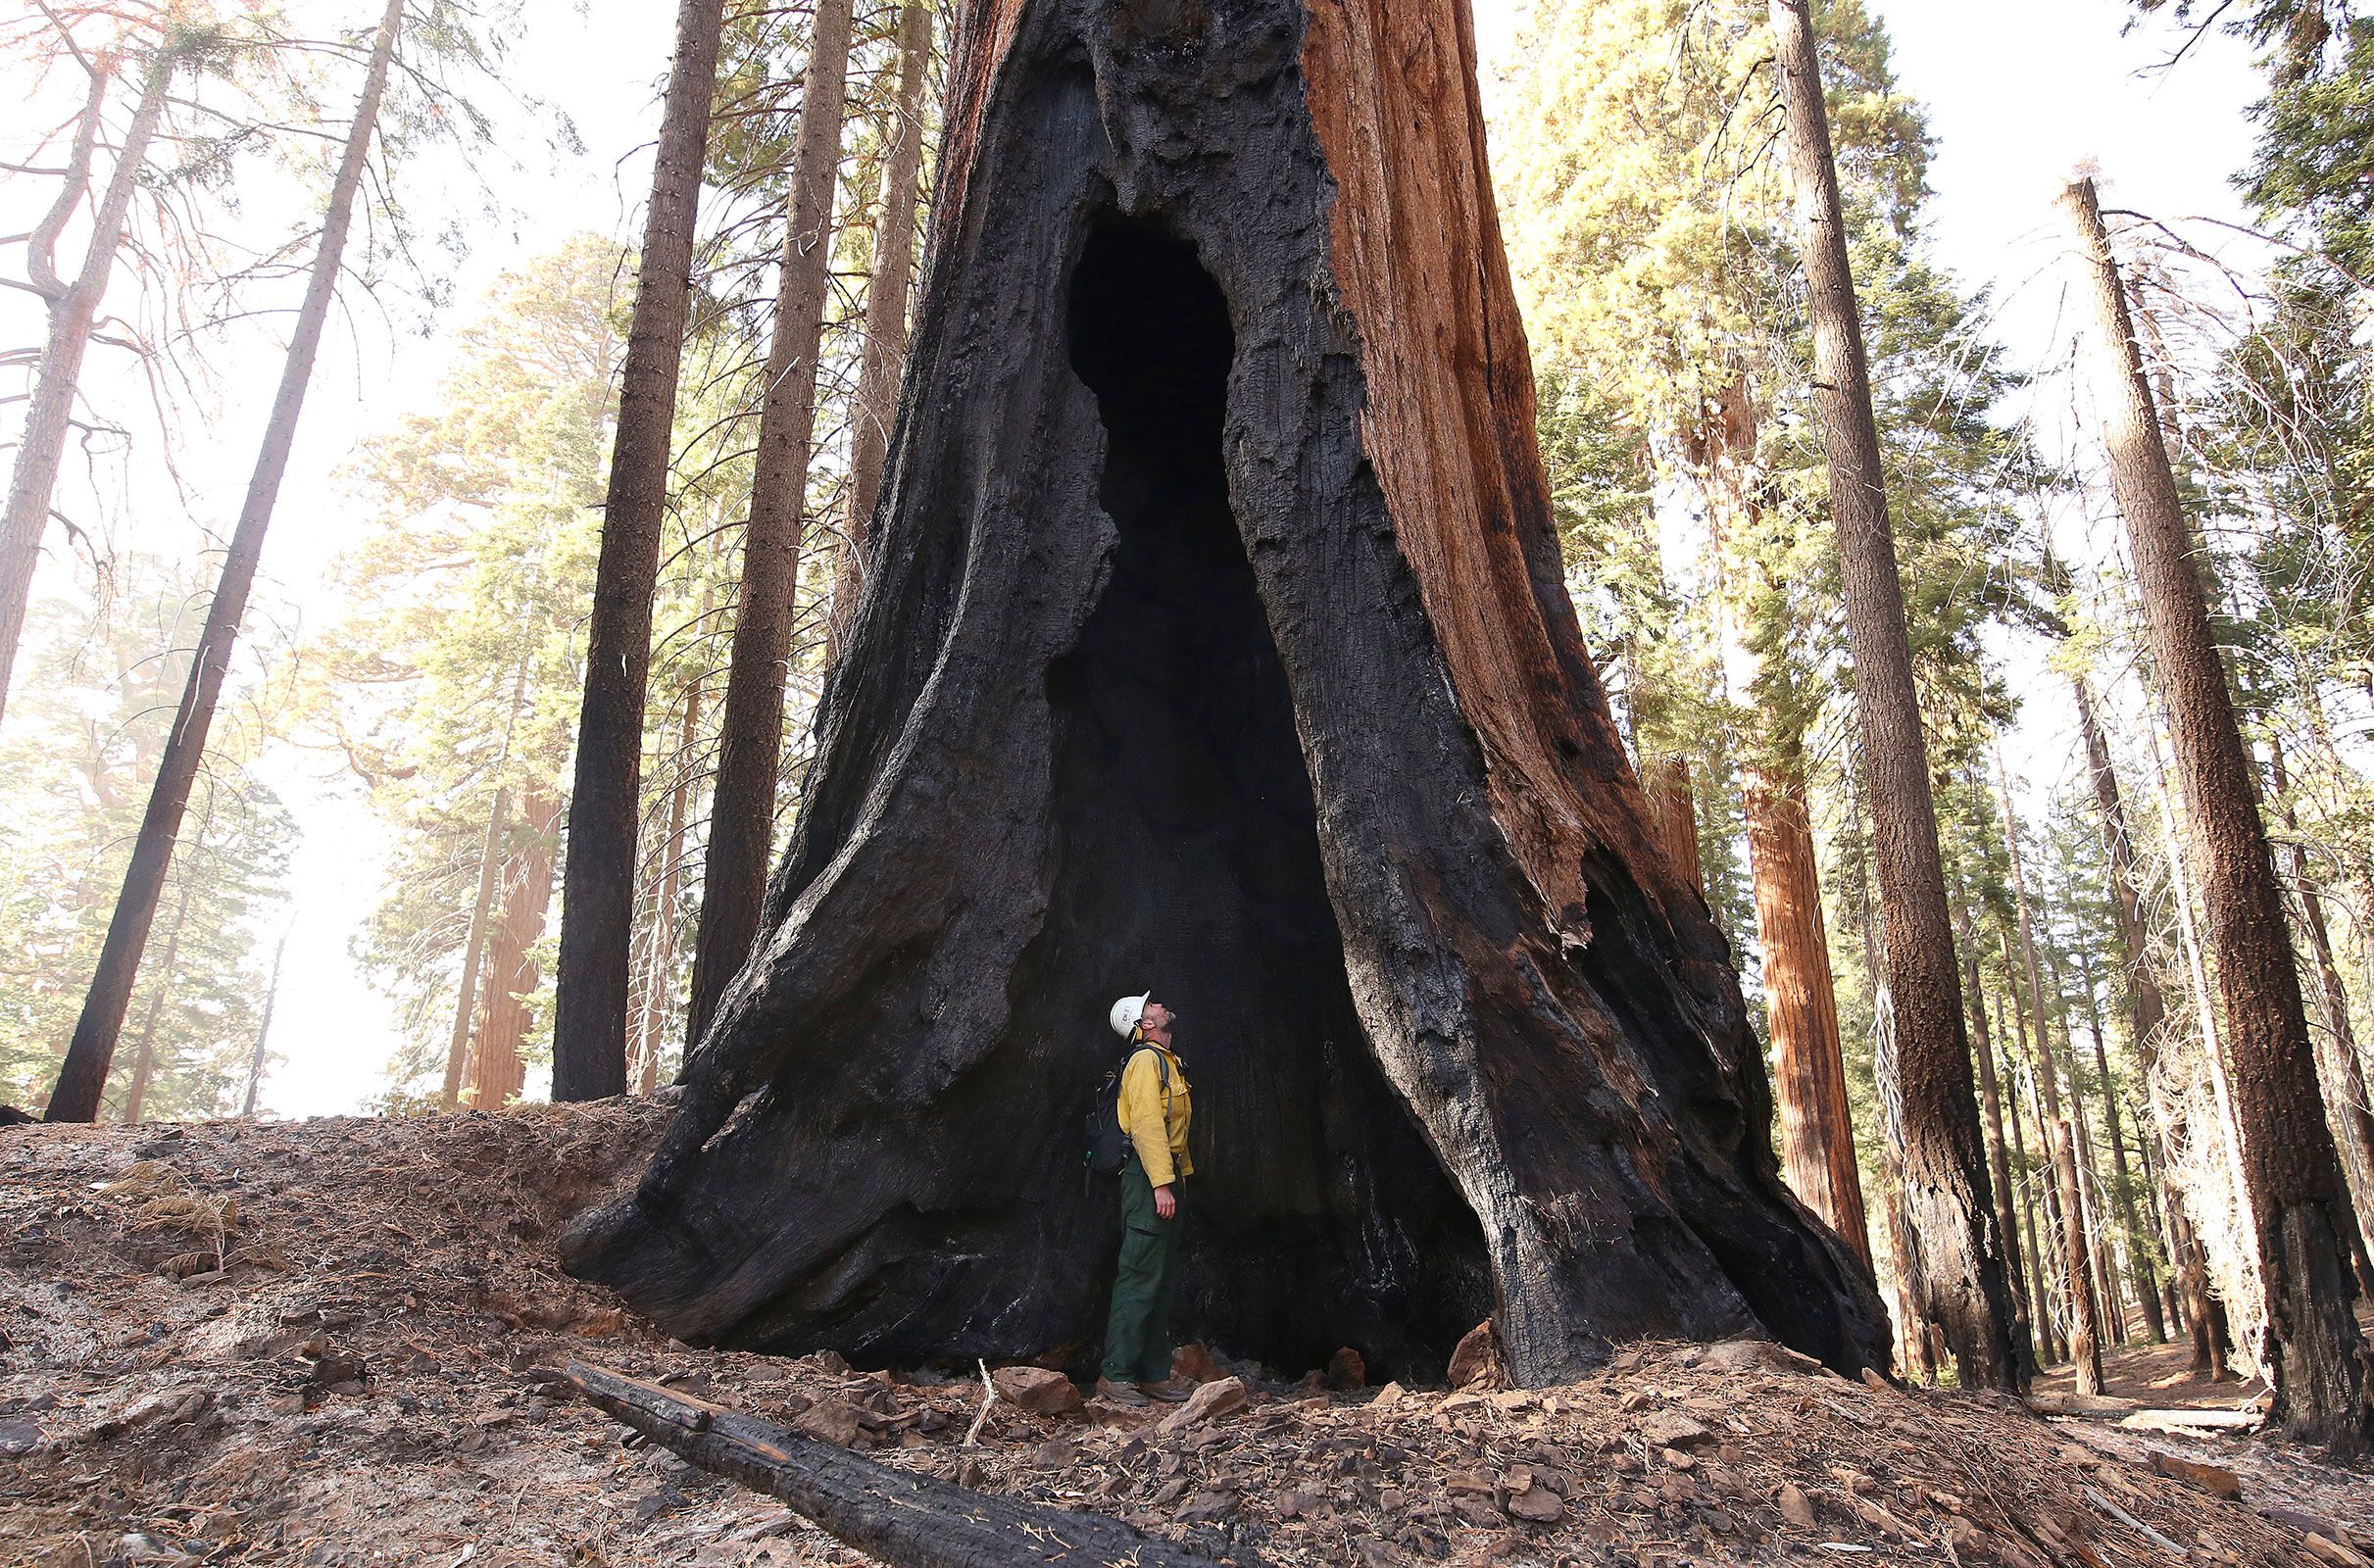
column 833, row 1421
column 1477, row 1360
column 1055, row 1453
column 1537, row 1503
column 1387, row 1396
column 1670, row 1429
column 1676, row 1487
column 18, row 1437
column 1169, row 1492
column 1795, row 1506
column 1195, row 1362
column 1209, row 1402
column 1677, row 1459
column 1208, row 1505
column 1347, row 1370
column 1036, row 1390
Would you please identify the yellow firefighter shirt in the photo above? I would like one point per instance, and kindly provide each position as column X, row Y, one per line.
column 1155, row 1117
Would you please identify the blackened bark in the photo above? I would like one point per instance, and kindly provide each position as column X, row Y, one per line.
column 749, row 750
column 596, row 898
column 1225, row 652
column 1958, row 1256
column 84, row 1072
column 2292, row 1177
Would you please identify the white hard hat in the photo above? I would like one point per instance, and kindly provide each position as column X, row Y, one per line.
column 1125, row 1013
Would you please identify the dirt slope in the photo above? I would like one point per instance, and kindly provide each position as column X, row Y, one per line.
column 335, row 1343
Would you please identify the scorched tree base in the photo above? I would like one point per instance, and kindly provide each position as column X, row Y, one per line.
column 1218, row 644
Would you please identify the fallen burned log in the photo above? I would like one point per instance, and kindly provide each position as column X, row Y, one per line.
column 907, row 1520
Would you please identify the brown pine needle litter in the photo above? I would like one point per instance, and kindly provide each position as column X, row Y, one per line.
column 339, row 1342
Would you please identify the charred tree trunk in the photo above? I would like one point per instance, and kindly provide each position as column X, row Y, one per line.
column 1225, row 651
column 497, row 1072
column 74, row 308
column 750, row 752
column 2292, row 1178
column 1817, row 1130
column 85, row 1073
column 596, row 898
column 1961, row 1283
column 886, row 294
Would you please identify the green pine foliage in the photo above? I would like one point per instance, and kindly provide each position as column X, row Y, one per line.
column 97, row 695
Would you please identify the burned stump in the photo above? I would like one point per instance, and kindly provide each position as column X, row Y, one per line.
column 1219, row 645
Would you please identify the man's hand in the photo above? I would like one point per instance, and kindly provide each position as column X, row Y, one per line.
column 1165, row 1203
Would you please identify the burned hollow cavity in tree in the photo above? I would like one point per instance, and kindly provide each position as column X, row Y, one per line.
column 1188, row 862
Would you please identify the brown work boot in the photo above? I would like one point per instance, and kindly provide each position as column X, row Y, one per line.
column 1117, row 1393
column 1170, row 1391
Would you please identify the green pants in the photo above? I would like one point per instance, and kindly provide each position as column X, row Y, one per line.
column 1137, row 1332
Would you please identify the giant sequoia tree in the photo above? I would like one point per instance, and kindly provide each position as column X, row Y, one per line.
column 1219, row 645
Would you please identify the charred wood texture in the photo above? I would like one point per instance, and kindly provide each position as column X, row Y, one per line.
column 1219, row 645
column 895, row 1517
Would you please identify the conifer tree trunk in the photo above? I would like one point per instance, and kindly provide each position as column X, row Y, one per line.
column 490, row 865
column 742, row 806
column 72, row 308
column 144, row 1056
column 885, row 352
column 1810, row 1075
column 1998, row 1163
column 1962, row 1285
column 2084, row 1337
column 2046, row 1254
column 2292, row 1178
column 2337, row 1046
column 497, row 1071
column 662, row 920
column 596, row 898
column 264, row 1032
column 474, row 946
column 1217, row 643
column 85, row 1073
column 2139, row 1261
column 1673, row 814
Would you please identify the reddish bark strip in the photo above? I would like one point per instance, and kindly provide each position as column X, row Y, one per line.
column 1809, row 1072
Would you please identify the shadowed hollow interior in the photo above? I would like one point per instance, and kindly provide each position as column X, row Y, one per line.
column 1188, row 862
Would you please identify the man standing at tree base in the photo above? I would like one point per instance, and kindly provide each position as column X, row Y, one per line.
column 1154, row 1110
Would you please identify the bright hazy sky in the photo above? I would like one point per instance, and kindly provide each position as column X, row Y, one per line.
column 2019, row 92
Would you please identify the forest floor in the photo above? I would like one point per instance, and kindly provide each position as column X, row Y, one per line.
column 338, row 1342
